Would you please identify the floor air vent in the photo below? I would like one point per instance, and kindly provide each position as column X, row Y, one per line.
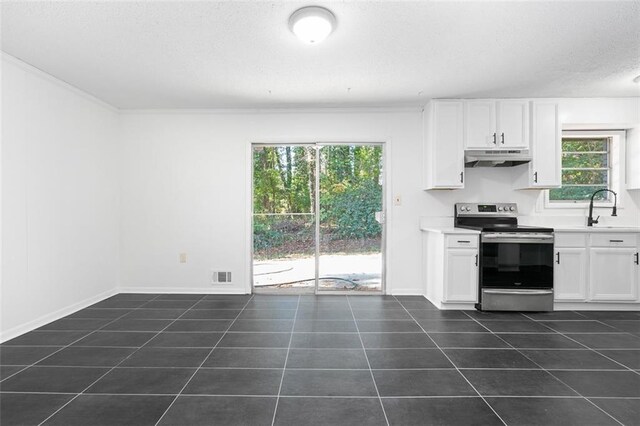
column 220, row 277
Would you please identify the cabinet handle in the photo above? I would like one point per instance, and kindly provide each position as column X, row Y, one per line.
column 636, row 255
column 558, row 258
column 464, row 241
column 616, row 241
column 494, row 139
column 502, row 138
column 535, row 177
column 461, row 177
column 477, row 258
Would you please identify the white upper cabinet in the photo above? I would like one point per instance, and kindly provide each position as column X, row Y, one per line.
column 493, row 124
column 443, row 153
column 545, row 168
column 513, row 124
column 633, row 158
column 480, row 124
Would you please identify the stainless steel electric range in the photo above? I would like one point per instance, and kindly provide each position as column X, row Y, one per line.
column 516, row 262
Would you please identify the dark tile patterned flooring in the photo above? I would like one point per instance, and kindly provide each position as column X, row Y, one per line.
column 190, row 359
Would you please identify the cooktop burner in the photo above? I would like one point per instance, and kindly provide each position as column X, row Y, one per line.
column 501, row 217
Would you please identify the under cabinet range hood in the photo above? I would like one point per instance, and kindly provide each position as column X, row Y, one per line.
column 496, row 157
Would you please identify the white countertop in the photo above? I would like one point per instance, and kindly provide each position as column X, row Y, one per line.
column 596, row 229
column 448, row 230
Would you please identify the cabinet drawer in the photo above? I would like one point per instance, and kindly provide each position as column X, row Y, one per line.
column 614, row 240
column 570, row 240
column 462, row 241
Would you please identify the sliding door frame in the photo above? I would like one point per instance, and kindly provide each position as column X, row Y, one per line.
column 317, row 146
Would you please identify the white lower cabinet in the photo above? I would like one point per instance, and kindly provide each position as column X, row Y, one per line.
column 461, row 275
column 450, row 268
column 570, row 274
column 613, row 274
column 596, row 267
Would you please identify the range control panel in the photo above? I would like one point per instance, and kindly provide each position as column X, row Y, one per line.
column 486, row 209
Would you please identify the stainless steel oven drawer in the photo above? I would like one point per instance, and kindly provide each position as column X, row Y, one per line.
column 496, row 299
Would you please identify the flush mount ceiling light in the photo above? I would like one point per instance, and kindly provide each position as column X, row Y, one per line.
column 312, row 24
column 637, row 79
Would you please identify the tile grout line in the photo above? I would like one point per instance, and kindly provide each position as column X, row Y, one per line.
column 203, row 361
column 587, row 347
column 373, row 379
column 632, row 398
column 455, row 366
column 75, row 341
column 284, row 367
column 115, row 366
column 544, row 369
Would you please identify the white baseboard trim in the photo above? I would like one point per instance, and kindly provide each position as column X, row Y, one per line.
column 405, row 293
column 595, row 306
column 46, row 319
column 174, row 290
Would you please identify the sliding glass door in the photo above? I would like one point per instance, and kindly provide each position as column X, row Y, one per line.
column 317, row 218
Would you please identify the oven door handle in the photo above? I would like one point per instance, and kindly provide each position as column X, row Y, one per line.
column 520, row 239
column 520, row 292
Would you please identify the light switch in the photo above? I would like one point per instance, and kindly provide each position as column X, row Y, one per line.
column 183, row 257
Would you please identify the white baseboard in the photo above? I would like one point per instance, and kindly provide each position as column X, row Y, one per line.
column 405, row 293
column 173, row 290
column 60, row 313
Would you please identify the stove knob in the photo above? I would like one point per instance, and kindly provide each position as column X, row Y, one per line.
column 500, row 208
column 512, row 208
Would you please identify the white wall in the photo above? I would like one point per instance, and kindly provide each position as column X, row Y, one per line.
column 185, row 188
column 59, row 199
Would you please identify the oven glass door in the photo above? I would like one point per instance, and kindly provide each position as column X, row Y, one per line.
column 516, row 265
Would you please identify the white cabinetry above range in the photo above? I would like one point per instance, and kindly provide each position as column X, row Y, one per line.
column 450, row 126
column 493, row 124
column 597, row 267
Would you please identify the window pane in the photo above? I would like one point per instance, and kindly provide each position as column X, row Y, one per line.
column 584, row 160
column 581, row 145
column 584, row 177
column 578, row 193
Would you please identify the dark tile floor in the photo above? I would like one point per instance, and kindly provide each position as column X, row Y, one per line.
column 138, row 359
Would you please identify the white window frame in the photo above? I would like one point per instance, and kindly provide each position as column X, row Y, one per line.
column 616, row 162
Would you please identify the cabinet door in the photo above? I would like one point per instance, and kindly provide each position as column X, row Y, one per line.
column 633, row 158
column 447, row 162
column 461, row 275
column 513, row 124
column 613, row 274
column 546, row 149
column 570, row 274
column 480, row 124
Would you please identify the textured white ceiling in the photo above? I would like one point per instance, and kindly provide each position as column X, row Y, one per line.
column 241, row 54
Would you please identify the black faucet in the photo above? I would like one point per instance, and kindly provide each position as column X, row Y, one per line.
column 590, row 219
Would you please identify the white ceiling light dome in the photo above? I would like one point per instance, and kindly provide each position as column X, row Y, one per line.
column 312, row 24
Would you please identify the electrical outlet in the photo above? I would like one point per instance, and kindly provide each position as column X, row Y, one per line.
column 183, row 258
column 397, row 200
